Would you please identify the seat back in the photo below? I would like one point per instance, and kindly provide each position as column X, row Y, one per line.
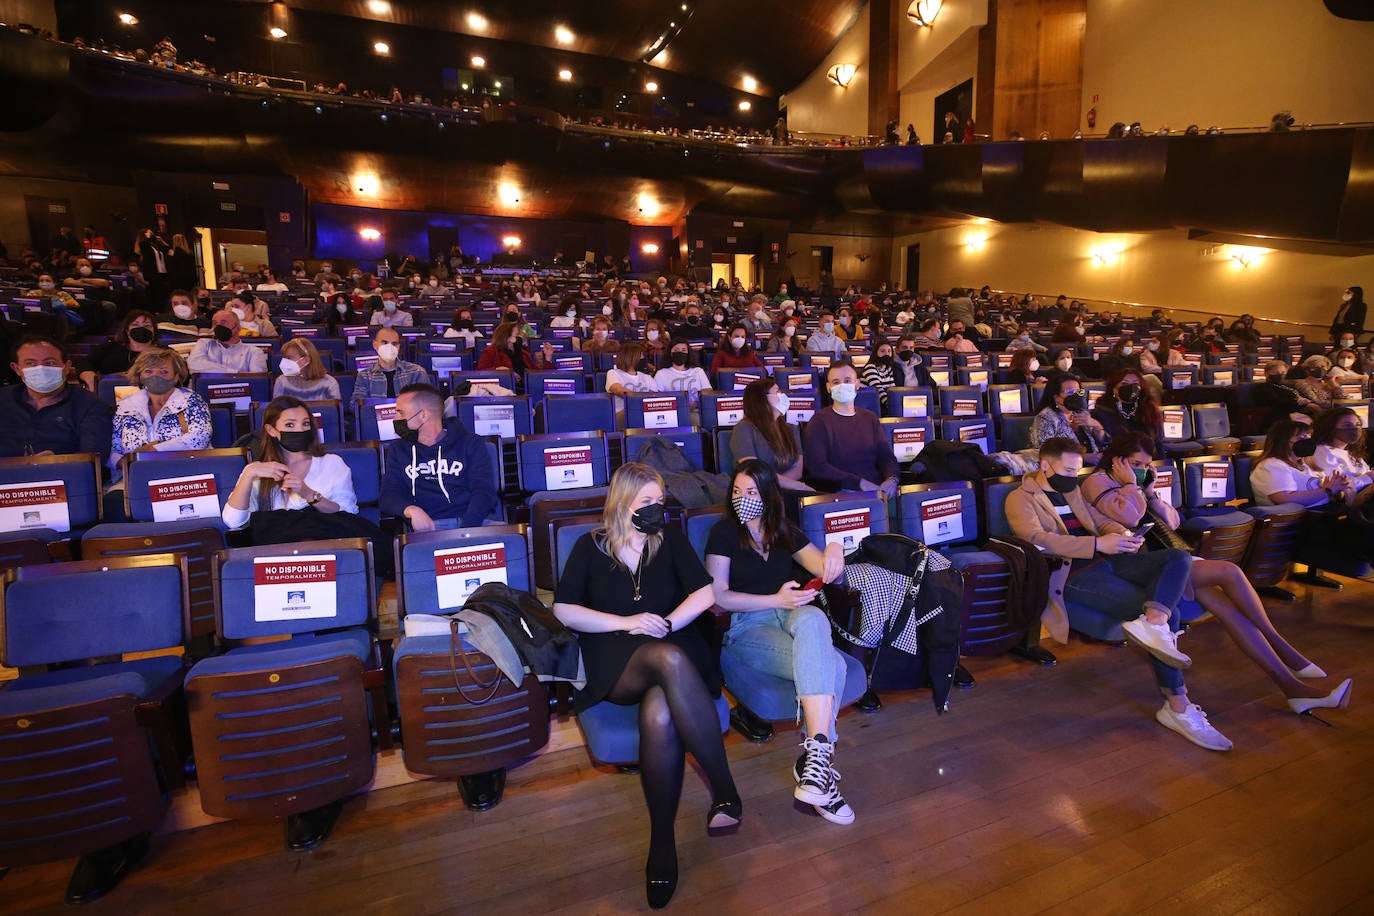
column 1243, row 462
column 1008, row 399
column 995, row 493
column 436, row 571
column 790, row 380
column 503, row 377
column 364, row 460
column 939, row 514
column 545, row 512
column 961, row 401
column 1015, row 431
column 910, row 402
column 239, row 390
column 563, row 461
column 196, row 541
column 737, row 379
column 1222, row 375
column 506, row 417
column 570, row 413
column 908, row 436
column 1177, row 378
column 26, row 548
column 842, row 518
column 175, row 486
column 1208, row 480
column 566, row 531
column 538, row 384
column 89, row 609
column 1211, row 421
column 1168, row 482
column 222, row 431
column 1178, row 423
column 328, row 418
column 59, row 492
column 719, row 409
column 698, row 521
column 688, row 438
column 657, row 410
column 977, row 430
column 285, row 589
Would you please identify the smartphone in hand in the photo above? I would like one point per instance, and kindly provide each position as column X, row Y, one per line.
column 814, row 585
column 1143, row 529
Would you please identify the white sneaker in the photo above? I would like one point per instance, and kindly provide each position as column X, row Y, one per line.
column 1158, row 640
column 1192, row 724
column 813, row 771
column 835, row 809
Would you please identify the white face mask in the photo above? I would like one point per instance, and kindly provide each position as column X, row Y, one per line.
column 1065, row 364
column 1127, row 351
column 389, row 304
column 781, row 402
column 341, row 308
column 600, row 334
column 1347, row 363
column 45, row 284
column 737, row 343
column 606, row 310
column 184, row 312
column 1152, row 346
column 433, row 282
column 1346, row 344
column 844, row 393
column 290, row 367
column 1033, row 365
column 653, row 335
column 45, row 379
column 388, row 352
column 240, row 313
column 86, row 272
column 828, row 327
column 789, row 330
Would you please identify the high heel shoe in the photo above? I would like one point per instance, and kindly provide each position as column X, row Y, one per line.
column 1311, row 672
column 659, row 888
column 724, row 814
column 1336, row 699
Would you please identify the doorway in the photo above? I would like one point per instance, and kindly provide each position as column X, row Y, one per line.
column 219, row 248
column 913, row 267
column 47, row 215
column 958, row 100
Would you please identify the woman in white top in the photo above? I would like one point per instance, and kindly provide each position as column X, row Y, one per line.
column 682, row 374
column 463, row 327
column 1278, row 476
column 631, row 373
column 292, row 470
column 1341, row 449
column 1344, row 368
column 567, row 314
column 303, row 375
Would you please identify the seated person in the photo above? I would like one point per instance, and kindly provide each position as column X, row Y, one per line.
column 1309, row 378
column 1345, row 369
column 849, row 329
column 183, row 318
column 1063, row 411
column 1109, row 574
column 391, row 315
column 1130, row 406
column 339, row 313
column 291, row 470
column 43, row 415
column 463, row 327
column 882, row 370
column 692, row 327
column 680, row 373
column 163, row 415
column 765, row 435
column 655, row 338
column 303, row 375
column 927, row 336
column 735, row 352
column 389, row 374
column 135, row 336
column 1342, row 448
column 1021, row 339
column 913, row 364
column 1279, row 476
column 254, row 315
column 1124, row 356
column 437, row 470
column 957, row 339
column 226, row 352
column 845, row 445
column 1282, row 399
column 632, row 372
column 632, row 590
column 600, row 340
column 509, row 350
column 1024, row 364
column 1118, row 489
column 825, row 340
column 752, row 555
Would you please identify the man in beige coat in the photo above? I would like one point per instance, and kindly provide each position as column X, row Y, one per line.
column 1108, row 573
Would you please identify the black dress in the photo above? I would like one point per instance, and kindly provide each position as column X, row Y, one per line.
column 591, row 580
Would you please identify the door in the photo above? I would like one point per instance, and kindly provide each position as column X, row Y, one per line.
column 46, row 216
column 913, row 267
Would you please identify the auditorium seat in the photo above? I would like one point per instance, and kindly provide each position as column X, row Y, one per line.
column 1212, row 429
column 570, row 413
column 328, row 417
column 364, row 460
column 170, row 473
column 1221, row 531
column 71, row 501
column 842, row 518
column 657, row 410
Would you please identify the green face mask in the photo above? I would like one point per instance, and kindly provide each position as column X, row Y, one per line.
column 1143, row 476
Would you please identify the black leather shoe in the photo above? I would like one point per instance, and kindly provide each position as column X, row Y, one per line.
column 725, row 814
column 307, row 830
column 963, row 679
column 748, row 724
column 659, row 888
column 482, row 791
column 869, row 702
column 97, row 873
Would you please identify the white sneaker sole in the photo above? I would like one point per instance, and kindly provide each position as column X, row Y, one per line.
column 1168, row 722
column 810, row 796
column 835, row 817
column 1174, row 659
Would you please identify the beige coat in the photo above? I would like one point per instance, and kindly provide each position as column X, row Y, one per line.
column 1033, row 518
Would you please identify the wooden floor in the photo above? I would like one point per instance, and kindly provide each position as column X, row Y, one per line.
column 1042, row 790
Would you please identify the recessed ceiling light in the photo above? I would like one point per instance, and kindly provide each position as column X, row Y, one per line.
column 276, row 32
column 565, row 75
column 745, row 105
column 497, row 84
column 382, row 47
column 477, row 22
column 564, row 35
column 128, row 18
column 479, row 62
column 651, row 86
column 749, row 83
column 378, row 7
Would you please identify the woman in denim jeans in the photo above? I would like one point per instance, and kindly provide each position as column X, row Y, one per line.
column 753, row 559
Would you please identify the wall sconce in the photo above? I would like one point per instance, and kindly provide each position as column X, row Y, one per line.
column 649, row 248
column 923, row 12
column 975, row 241
column 648, row 204
column 1243, row 257
column 367, row 183
column 1106, row 254
column 509, row 193
column 841, row 74
column 368, row 234
column 511, row 242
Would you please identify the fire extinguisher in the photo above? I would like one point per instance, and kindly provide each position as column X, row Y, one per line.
column 1092, row 117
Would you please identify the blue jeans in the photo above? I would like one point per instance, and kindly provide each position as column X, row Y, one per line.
column 1120, row 585
column 796, row 646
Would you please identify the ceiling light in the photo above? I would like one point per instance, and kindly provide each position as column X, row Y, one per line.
column 381, row 47
column 651, row 86
column 1107, row 254
column 366, row 183
column 496, row 85
column 509, row 194
column 479, row 62
column 465, row 87
column 745, row 105
column 368, row 234
column 749, row 83
column 660, row 59
column 1243, row 257
column 477, row 22
column 128, row 18
column 923, row 12
column 976, row 241
column 649, row 248
column 841, row 74
column 379, row 7
column 564, row 35
column 276, row 32
column 648, row 205
column 565, row 75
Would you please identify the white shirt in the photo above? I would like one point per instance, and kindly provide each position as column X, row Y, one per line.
column 210, row 355
column 691, row 379
column 328, row 475
column 1327, row 459
column 631, row 381
column 1272, row 476
column 270, row 288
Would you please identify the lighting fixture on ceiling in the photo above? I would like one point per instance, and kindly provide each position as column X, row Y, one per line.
column 651, row 86
column 649, row 248
column 565, row 75
column 366, row 183
column 564, row 35
column 477, row 22
column 923, row 12
column 1106, row 254
column 478, row 62
column 509, row 194
column 745, row 105
column 128, row 19
column 976, row 241
column 648, row 204
column 368, row 234
column 749, row 83
column 276, row 32
column 1245, row 256
column 841, row 74
column 381, row 47
column 379, row 7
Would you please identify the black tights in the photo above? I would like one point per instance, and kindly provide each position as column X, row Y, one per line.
column 676, row 713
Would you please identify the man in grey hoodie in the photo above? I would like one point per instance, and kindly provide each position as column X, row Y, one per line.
column 437, row 469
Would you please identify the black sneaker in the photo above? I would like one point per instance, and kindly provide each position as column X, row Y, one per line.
column 835, row 809
column 813, row 771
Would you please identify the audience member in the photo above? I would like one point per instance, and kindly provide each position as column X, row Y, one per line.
column 389, row 374
column 845, row 445
column 1130, row 405
column 163, row 415
column 423, row 484
column 226, row 352
column 136, row 335
column 766, row 435
column 303, row 375
column 391, row 315
column 735, row 352
column 1063, row 413
column 43, row 415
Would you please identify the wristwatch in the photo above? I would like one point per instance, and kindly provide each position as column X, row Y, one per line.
column 314, row 499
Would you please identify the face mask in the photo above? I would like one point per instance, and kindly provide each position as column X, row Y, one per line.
column 1062, row 483
column 694, row 320
column 1128, row 393
column 737, row 343
column 1152, row 346
column 1143, row 476
column 782, row 403
column 404, row 432
column 1347, row 363
column 1340, row 435
column 1033, row 365
column 45, row 284
column 389, row 305
column 1075, row 402
column 828, row 327
column 747, row 508
column 84, row 271
column 653, row 335
column 600, row 334
column 290, row 367
column 906, row 355
column 296, row 440
column 1065, row 364
column 844, row 322
column 1025, row 337
column 388, row 352
column 720, row 316
column 1275, row 379
column 239, row 313
column 45, row 379
column 1347, row 344
column 679, row 359
column 222, row 333
column 789, row 330
column 433, row 282
column 1345, row 298
column 648, row 519
column 141, row 334
column 1127, row 351
column 355, row 277
column 204, row 300
column 341, row 308
column 844, row 393
column 156, row 384
column 184, row 312
column 606, row 310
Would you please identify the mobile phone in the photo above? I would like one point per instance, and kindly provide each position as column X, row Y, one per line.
column 1144, row 529
column 814, row 585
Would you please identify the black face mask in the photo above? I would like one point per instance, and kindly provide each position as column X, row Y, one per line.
column 649, row 519
column 1128, row 393
column 642, row 366
column 694, row 319
column 1305, row 447
column 204, row 300
column 1075, row 402
column 296, row 440
column 404, row 432
column 141, row 334
column 223, row 334
column 679, row 359
column 465, row 324
column 512, row 316
column 1062, row 483
column 906, row 355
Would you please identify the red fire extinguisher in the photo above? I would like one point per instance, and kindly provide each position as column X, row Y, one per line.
column 1092, row 117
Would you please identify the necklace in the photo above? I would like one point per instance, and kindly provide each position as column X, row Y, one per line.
column 638, row 573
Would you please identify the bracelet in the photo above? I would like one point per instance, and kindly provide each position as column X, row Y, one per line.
column 318, row 496
column 1094, row 545
column 669, row 622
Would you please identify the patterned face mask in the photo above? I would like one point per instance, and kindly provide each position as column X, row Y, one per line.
column 748, row 508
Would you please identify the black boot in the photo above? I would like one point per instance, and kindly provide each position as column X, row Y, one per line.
column 310, row 828
column 481, row 791
column 97, row 873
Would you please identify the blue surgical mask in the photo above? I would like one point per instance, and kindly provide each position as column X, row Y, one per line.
column 45, row 379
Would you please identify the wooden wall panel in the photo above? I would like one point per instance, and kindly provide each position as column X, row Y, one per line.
column 1038, row 64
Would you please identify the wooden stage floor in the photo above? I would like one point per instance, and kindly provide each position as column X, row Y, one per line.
column 1042, row 790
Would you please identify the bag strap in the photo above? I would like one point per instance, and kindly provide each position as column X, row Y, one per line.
column 458, row 650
